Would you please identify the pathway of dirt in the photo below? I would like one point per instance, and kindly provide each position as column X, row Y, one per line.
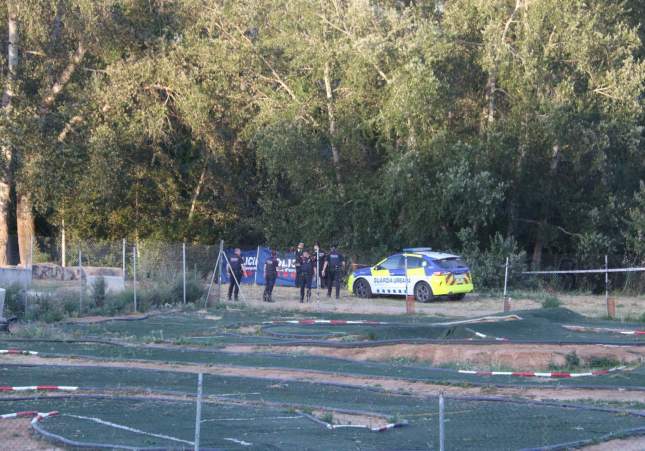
column 387, row 384
column 17, row 434
column 512, row 356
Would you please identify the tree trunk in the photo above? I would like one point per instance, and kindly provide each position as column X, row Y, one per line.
column 335, row 154
column 198, row 190
column 63, row 79
column 536, row 261
column 7, row 150
column 25, row 226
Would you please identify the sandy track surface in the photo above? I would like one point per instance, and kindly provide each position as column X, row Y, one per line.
column 384, row 383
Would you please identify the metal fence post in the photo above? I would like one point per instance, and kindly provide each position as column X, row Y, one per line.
column 31, row 252
column 257, row 267
column 183, row 259
column 123, row 260
column 442, row 435
column 606, row 281
column 505, row 277
column 63, row 245
column 198, row 415
column 219, row 280
column 134, row 275
column 80, row 278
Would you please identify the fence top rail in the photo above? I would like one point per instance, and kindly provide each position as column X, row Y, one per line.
column 588, row 271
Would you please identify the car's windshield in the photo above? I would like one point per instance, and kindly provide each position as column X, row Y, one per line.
column 451, row 263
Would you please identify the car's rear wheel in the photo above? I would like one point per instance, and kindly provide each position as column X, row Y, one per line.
column 362, row 289
column 457, row 297
column 423, row 292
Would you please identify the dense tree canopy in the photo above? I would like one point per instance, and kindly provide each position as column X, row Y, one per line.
column 374, row 123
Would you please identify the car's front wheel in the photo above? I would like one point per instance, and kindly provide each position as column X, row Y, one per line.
column 362, row 289
column 423, row 292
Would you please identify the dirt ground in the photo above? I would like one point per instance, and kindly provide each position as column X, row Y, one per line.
column 517, row 357
column 629, row 444
column 383, row 383
column 15, row 434
column 472, row 305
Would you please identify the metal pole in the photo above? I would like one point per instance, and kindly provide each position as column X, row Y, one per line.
column 80, row 277
column 208, row 294
column 63, row 245
column 318, row 276
column 123, row 260
column 198, row 414
column 134, row 275
column 505, row 277
column 31, row 252
column 219, row 280
column 257, row 267
column 442, row 435
column 606, row 281
column 183, row 257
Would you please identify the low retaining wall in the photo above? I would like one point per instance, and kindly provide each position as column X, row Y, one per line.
column 10, row 275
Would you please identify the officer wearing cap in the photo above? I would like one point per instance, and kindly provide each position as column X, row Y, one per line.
column 306, row 274
column 270, row 274
column 333, row 269
column 235, row 272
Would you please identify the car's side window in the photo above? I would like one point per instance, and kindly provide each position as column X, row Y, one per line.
column 415, row 262
column 394, row 262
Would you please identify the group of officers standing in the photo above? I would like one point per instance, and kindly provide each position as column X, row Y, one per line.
column 327, row 267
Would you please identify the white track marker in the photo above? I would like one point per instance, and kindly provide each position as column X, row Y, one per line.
column 129, row 429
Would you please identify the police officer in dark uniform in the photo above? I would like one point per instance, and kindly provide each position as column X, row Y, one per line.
column 235, row 272
column 306, row 274
column 270, row 274
column 318, row 257
column 333, row 269
column 299, row 251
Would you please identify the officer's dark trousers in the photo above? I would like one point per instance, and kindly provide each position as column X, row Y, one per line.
column 305, row 283
column 268, row 287
column 333, row 280
column 298, row 277
column 234, row 287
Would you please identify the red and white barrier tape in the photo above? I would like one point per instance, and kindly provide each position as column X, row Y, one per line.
column 17, row 351
column 553, row 374
column 333, row 322
column 43, row 415
column 604, row 330
column 39, row 388
column 37, row 416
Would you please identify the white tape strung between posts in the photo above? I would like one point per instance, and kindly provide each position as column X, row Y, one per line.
column 587, row 271
column 129, row 429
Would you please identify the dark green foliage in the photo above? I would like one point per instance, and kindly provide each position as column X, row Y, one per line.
column 551, row 301
column 99, row 292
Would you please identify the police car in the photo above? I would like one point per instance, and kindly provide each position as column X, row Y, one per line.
column 429, row 275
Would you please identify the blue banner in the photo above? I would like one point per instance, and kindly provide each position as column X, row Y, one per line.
column 254, row 260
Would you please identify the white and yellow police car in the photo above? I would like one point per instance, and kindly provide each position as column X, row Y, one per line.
column 429, row 275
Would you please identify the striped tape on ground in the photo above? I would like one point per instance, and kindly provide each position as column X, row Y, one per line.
column 552, row 374
column 38, row 388
column 603, row 330
column 333, row 322
column 17, row 351
column 37, row 416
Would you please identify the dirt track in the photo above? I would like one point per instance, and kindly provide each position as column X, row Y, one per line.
column 392, row 385
column 516, row 357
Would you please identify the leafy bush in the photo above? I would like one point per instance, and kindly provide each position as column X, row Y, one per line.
column 44, row 307
column 551, row 302
column 14, row 301
column 98, row 291
column 572, row 359
column 487, row 266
